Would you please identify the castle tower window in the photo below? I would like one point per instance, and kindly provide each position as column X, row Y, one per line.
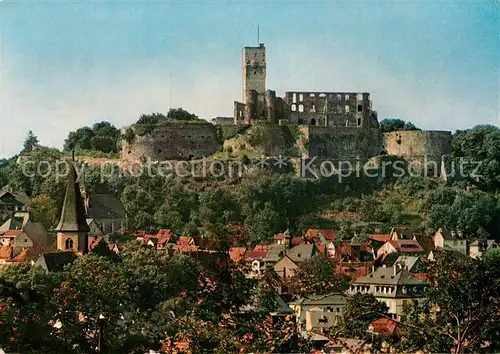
column 69, row 244
column 347, row 97
column 294, row 98
column 360, row 108
column 360, row 97
column 301, row 97
column 301, row 108
column 294, row 108
column 313, row 121
column 358, row 121
column 339, row 96
column 347, row 108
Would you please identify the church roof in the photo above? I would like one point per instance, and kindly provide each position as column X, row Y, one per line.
column 73, row 211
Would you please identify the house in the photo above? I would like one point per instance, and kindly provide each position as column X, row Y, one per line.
column 396, row 286
column 354, row 270
column 283, row 238
column 55, row 262
column 165, row 237
column 107, row 210
column 323, row 237
column 291, row 258
column 385, row 326
column 11, row 202
column 257, row 263
column 16, row 221
column 479, row 247
column 33, row 234
column 318, row 313
column 12, row 227
column 410, row 247
column 8, row 236
column 95, row 228
column 382, row 238
column 27, row 255
column 446, row 238
column 286, row 267
column 405, row 232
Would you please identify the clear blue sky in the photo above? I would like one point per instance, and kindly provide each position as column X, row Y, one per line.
column 66, row 64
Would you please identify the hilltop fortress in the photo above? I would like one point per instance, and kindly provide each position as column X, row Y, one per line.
column 339, row 125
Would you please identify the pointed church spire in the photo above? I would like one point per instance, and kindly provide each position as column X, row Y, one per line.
column 72, row 230
column 73, row 211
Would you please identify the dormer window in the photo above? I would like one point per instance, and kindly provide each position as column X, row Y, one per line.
column 69, row 244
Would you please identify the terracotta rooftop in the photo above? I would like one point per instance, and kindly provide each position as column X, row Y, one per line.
column 385, row 326
column 380, row 237
column 328, row 234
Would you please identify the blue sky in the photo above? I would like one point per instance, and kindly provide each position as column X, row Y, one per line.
column 67, row 64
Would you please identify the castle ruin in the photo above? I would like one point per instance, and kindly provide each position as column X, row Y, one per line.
column 341, row 125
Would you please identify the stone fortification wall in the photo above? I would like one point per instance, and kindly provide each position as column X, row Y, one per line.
column 173, row 142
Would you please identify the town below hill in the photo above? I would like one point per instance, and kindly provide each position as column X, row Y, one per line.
column 97, row 261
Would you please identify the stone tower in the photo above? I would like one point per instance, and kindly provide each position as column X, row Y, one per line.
column 72, row 230
column 254, row 71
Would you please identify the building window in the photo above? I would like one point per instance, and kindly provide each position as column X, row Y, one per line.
column 69, row 244
column 347, row 108
column 347, row 97
column 323, row 319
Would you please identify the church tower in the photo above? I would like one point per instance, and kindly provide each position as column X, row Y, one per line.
column 254, row 71
column 72, row 230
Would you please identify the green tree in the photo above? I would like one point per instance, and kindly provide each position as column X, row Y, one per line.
column 361, row 310
column 30, row 143
column 394, row 124
column 318, row 276
column 44, row 210
column 461, row 313
column 181, row 114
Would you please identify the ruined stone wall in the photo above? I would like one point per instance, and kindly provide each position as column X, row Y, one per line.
column 416, row 143
column 341, row 108
column 173, row 142
column 343, row 142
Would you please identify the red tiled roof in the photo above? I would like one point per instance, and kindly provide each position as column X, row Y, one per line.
column 355, row 271
column 279, row 237
column 297, row 241
column 380, row 237
column 261, row 248
column 21, row 256
column 255, row 254
column 164, row 236
column 328, row 234
column 93, row 242
column 385, row 326
column 421, row 276
column 321, row 248
column 10, row 233
column 185, row 240
column 406, row 245
column 365, row 246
